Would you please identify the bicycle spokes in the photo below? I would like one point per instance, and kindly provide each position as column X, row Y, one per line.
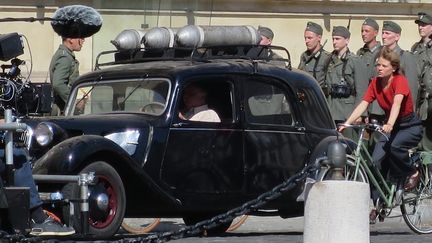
column 417, row 205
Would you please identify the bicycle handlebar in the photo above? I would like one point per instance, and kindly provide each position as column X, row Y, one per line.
column 368, row 126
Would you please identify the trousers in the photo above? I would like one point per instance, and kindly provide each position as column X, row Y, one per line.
column 393, row 154
column 23, row 176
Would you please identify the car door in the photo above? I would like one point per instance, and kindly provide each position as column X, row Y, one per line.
column 204, row 159
column 275, row 143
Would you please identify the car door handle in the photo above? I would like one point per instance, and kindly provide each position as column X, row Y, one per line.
column 301, row 129
column 180, row 124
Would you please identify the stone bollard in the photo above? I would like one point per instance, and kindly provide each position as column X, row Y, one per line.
column 337, row 212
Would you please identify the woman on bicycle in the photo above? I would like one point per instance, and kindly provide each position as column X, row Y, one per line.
column 391, row 90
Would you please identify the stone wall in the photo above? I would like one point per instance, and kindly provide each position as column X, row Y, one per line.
column 286, row 18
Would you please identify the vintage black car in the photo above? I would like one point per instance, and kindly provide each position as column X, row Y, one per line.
column 123, row 122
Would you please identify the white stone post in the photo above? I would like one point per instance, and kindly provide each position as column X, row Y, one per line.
column 337, row 212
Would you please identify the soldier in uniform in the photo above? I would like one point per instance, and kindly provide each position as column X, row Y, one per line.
column 346, row 77
column 423, row 51
column 267, row 35
column 390, row 36
column 315, row 57
column 64, row 70
column 368, row 54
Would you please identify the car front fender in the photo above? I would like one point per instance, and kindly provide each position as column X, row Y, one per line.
column 70, row 155
column 73, row 154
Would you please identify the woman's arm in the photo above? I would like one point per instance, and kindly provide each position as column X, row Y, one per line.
column 358, row 111
column 394, row 113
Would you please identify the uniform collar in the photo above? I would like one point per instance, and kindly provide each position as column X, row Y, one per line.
column 378, row 45
column 397, row 49
column 63, row 47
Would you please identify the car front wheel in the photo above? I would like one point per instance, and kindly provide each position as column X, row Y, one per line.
column 107, row 201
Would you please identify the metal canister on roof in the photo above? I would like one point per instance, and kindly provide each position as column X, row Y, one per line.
column 129, row 39
column 160, row 37
column 198, row 36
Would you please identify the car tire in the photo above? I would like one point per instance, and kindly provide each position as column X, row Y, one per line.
column 219, row 229
column 107, row 201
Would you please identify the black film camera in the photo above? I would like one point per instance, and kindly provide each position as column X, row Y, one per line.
column 22, row 96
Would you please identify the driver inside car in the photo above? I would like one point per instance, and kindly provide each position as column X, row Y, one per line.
column 195, row 105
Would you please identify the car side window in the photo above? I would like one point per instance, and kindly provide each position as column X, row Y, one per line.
column 207, row 101
column 266, row 103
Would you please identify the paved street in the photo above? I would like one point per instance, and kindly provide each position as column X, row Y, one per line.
column 277, row 230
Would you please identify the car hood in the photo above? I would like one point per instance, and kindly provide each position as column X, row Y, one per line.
column 97, row 124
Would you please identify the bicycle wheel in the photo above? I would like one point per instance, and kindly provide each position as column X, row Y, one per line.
column 416, row 204
column 326, row 173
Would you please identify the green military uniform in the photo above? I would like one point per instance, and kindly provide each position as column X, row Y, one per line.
column 348, row 70
column 408, row 62
column 369, row 56
column 409, row 66
column 314, row 64
column 64, row 70
column 423, row 52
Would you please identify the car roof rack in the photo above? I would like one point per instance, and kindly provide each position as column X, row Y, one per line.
column 248, row 52
column 143, row 55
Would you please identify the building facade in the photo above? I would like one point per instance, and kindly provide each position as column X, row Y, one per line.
column 287, row 19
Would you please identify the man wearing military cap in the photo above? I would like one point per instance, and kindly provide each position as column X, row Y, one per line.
column 267, row 35
column 368, row 54
column 346, row 77
column 64, row 70
column 423, row 51
column 315, row 57
column 390, row 36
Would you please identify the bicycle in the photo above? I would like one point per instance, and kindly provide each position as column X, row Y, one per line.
column 415, row 205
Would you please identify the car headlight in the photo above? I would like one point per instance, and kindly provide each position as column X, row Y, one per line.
column 44, row 134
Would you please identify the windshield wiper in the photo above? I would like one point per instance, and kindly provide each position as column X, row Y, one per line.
column 86, row 94
column 130, row 93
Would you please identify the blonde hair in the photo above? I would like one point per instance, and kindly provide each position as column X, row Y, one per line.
column 393, row 57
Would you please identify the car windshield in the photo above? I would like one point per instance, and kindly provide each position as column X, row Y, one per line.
column 147, row 96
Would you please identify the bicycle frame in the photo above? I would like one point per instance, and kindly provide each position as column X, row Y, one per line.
column 363, row 157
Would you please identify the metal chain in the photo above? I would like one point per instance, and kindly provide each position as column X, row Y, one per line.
column 247, row 207
column 195, row 229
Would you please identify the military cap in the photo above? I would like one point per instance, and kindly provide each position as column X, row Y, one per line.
column 371, row 22
column 314, row 27
column 341, row 31
column 424, row 18
column 392, row 26
column 265, row 31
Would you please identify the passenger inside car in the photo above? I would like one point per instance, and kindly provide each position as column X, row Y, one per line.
column 195, row 105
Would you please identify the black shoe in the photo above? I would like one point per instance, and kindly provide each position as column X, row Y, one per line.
column 50, row 227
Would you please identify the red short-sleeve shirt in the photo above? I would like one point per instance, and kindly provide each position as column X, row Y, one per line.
column 385, row 97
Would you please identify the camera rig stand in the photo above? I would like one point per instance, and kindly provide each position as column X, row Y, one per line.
column 16, row 199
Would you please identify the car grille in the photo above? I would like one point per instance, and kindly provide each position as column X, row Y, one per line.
column 23, row 138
